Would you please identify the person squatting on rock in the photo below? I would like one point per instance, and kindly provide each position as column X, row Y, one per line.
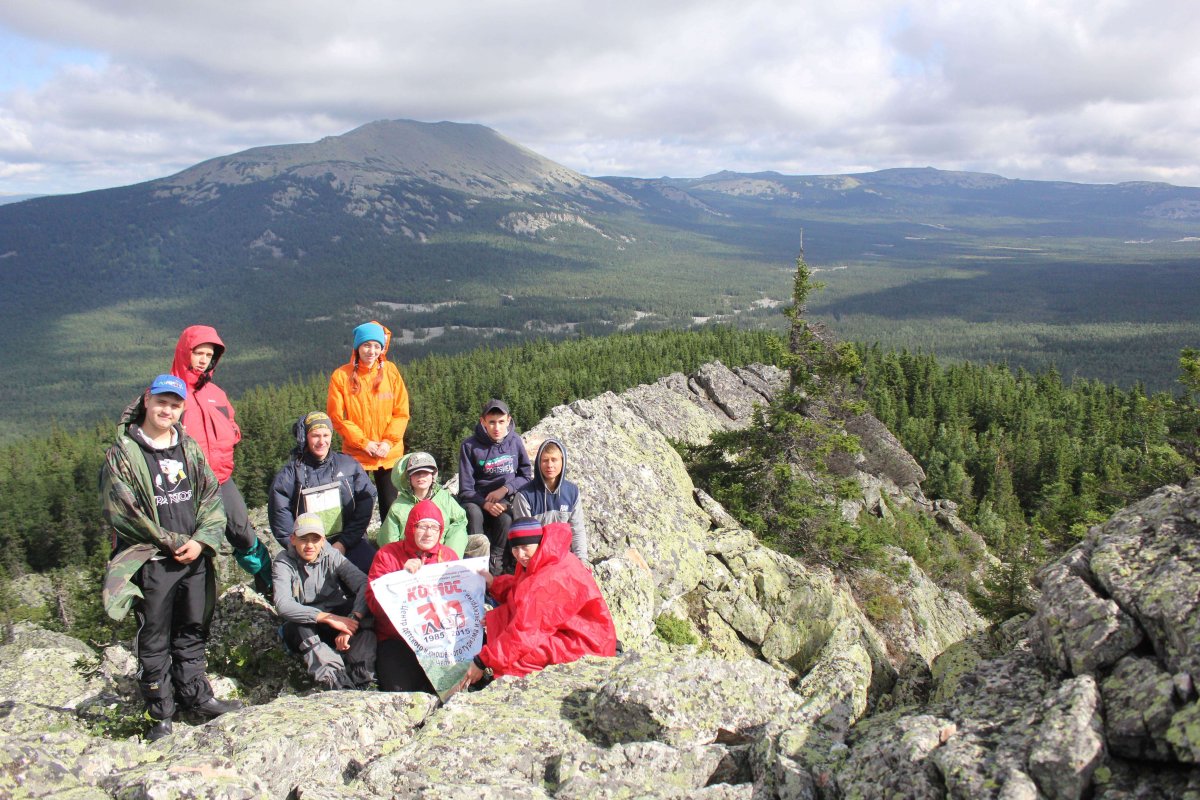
column 368, row 404
column 163, row 504
column 395, row 662
column 550, row 497
column 416, row 478
column 492, row 467
column 313, row 467
column 209, row 419
column 550, row 610
column 322, row 599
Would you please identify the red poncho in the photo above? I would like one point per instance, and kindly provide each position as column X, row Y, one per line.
column 550, row 613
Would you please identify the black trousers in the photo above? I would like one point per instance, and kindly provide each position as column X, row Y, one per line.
column 398, row 670
column 500, row 560
column 172, row 632
column 385, row 488
column 238, row 531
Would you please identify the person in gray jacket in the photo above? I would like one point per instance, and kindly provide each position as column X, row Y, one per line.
column 550, row 497
column 322, row 598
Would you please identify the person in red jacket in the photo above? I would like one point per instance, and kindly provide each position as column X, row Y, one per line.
column 368, row 404
column 396, row 666
column 550, row 610
column 208, row 418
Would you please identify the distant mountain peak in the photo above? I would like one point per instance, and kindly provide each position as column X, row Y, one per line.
column 468, row 158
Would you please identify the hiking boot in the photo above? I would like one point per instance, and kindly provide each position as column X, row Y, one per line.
column 212, row 707
column 262, row 583
column 160, row 728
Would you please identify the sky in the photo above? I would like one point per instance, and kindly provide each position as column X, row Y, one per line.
column 103, row 93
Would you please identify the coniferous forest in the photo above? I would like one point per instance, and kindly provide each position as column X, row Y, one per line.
column 1030, row 459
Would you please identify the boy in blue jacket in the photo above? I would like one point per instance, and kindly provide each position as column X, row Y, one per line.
column 492, row 467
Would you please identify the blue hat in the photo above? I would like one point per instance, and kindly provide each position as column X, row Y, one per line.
column 369, row 332
column 169, row 384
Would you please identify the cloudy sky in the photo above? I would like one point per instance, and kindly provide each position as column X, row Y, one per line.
column 101, row 93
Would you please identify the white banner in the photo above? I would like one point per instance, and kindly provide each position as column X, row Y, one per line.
column 439, row 612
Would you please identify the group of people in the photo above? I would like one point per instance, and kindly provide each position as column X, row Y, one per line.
column 167, row 494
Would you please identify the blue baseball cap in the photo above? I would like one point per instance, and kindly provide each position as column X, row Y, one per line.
column 169, row 384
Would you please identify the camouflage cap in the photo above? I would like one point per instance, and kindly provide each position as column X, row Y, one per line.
column 421, row 462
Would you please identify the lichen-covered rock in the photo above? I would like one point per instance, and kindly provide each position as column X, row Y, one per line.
column 1183, row 734
column 686, row 702
column 193, row 777
column 892, row 758
column 647, row 769
column 243, row 644
column 1139, row 698
column 1068, row 745
column 628, row 587
column 884, row 456
column 638, row 492
column 1081, row 632
column 1147, row 558
column 44, row 677
column 296, row 741
column 511, row 734
column 926, row 619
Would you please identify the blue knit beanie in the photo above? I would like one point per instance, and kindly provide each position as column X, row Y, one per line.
column 369, row 332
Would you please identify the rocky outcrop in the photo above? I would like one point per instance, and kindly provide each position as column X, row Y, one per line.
column 772, row 702
column 1096, row 698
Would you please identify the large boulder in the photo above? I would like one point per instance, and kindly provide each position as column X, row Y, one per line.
column 1095, row 696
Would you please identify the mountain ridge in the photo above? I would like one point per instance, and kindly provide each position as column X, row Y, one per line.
column 495, row 244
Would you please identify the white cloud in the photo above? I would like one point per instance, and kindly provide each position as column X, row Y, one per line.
column 102, row 93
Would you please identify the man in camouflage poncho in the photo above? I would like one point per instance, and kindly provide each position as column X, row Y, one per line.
column 161, row 500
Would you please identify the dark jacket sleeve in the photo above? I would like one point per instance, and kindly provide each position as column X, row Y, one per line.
column 352, row 578
column 282, row 502
column 524, row 474
column 356, row 518
column 466, row 476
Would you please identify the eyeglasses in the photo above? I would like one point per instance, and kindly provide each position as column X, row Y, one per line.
column 427, row 526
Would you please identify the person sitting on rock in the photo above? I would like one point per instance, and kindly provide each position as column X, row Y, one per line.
column 550, row 610
column 492, row 467
column 550, row 497
column 309, row 478
column 322, row 599
column 396, row 664
column 416, row 479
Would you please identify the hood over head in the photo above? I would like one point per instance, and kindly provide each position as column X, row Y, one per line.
column 554, row 547
column 537, row 461
column 191, row 338
column 426, row 509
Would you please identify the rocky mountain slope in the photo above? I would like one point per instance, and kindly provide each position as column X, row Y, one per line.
column 794, row 693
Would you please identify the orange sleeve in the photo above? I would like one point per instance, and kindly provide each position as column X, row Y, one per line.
column 335, row 407
column 394, row 430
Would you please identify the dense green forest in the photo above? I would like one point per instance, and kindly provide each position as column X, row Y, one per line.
column 1030, row 458
column 50, row 512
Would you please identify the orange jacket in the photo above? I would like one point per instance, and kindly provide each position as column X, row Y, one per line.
column 369, row 414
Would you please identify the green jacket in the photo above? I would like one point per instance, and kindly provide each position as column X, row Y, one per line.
column 127, row 503
column 392, row 529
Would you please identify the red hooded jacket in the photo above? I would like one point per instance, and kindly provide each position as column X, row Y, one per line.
column 208, row 414
column 550, row 613
column 392, row 557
